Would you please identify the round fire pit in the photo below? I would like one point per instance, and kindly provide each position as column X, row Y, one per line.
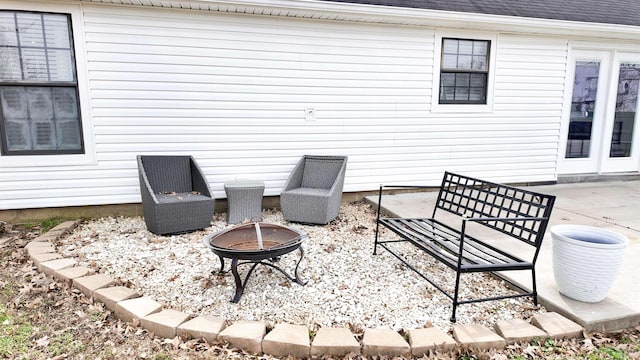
column 253, row 243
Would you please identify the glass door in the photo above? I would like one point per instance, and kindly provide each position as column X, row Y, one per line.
column 623, row 151
column 584, row 115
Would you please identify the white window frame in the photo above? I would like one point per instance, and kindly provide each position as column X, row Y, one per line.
column 463, row 108
column 21, row 161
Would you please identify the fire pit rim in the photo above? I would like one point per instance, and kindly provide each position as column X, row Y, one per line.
column 251, row 254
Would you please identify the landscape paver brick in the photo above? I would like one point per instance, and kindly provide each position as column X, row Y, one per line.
column 50, row 267
column 164, row 323
column 38, row 259
column 204, row 326
column 429, row 339
column 39, row 247
column 384, row 342
column 137, row 308
column 334, row 342
column 517, row 330
column 557, row 326
column 111, row 296
column 68, row 274
column 88, row 284
column 287, row 339
column 246, row 335
column 478, row 337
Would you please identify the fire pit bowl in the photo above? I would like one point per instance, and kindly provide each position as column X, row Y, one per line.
column 253, row 243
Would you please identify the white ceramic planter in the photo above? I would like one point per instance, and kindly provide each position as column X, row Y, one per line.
column 586, row 260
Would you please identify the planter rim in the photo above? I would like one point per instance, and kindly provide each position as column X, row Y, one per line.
column 564, row 232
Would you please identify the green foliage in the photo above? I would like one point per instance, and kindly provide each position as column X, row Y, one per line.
column 162, row 356
column 65, row 344
column 15, row 334
column 518, row 357
column 49, row 224
column 608, row 353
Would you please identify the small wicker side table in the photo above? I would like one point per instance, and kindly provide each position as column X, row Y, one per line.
column 244, row 200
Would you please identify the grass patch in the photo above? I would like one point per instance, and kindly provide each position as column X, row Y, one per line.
column 608, row 353
column 15, row 334
column 65, row 344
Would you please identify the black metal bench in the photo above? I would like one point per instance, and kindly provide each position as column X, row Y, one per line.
column 518, row 213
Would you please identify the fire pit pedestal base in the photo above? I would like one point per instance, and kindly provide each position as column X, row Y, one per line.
column 235, row 262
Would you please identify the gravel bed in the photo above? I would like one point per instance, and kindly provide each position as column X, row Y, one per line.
column 347, row 285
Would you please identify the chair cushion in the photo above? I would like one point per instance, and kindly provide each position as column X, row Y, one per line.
column 320, row 173
column 309, row 192
column 173, row 197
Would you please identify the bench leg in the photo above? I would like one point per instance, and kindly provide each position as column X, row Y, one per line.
column 534, row 287
column 455, row 298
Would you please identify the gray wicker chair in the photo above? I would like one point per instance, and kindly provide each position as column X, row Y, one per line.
column 313, row 192
column 175, row 195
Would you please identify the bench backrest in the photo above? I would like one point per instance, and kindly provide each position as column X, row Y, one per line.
column 474, row 198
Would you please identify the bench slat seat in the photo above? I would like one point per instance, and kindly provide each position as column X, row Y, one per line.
column 443, row 243
column 512, row 213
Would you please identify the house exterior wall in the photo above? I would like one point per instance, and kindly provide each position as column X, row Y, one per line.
column 234, row 90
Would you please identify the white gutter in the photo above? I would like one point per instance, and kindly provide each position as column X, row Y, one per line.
column 352, row 12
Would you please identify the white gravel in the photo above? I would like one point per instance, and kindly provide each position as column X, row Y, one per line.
column 347, row 285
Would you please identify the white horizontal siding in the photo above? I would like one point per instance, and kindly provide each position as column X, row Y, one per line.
column 231, row 90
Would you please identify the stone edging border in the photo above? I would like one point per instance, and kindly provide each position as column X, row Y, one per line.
column 284, row 339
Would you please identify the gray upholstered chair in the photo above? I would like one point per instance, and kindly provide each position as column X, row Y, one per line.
column 175, row 195
column 313, row 192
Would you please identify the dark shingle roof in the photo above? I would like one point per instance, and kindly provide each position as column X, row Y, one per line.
column 596, row 11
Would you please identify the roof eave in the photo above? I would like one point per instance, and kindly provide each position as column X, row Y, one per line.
column 352, row 12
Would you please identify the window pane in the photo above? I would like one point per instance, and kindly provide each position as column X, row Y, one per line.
column 462, row 94
column 30, row 30
column 447, row 93
column 450, row 61
column 450, row 46
column 626, row 106
column 69, row 135
column 60, row 65
column 57, row 31
column 583, row 103
column 464, row 62
column 42, row 135
column 8, row 30
column 478, row 80
column 480, row 48
column 17, row 136
column 14, row 102
column 65, row 103
column 479, row 63
column 447, row 79
column 40, row 103
column 465, row 47
column 34, row 64
column 10, row 64
column 462, row 80
column 476, row 94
